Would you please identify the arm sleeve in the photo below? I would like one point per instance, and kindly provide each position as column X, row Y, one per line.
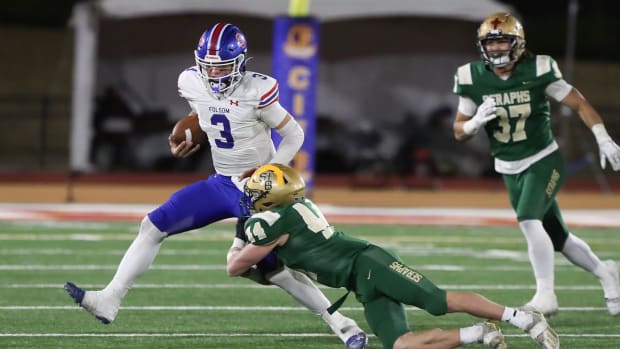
column 558, row 89
column 273, row 115
column 292, row 139
column 467, row 106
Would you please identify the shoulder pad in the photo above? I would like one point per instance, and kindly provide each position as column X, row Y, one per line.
column 463, row 74
column 546, row 64
column 189, row 83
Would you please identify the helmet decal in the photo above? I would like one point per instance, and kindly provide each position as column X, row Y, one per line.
column 495, row 23
column 270, row 186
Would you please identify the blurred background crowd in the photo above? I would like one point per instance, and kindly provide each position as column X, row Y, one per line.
column 384, row 101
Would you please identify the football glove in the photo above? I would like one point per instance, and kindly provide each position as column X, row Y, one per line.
column 609, row 151
column 484, row 114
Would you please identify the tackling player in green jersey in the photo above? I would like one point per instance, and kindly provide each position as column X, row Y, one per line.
column 287, row 223
column 507, row 93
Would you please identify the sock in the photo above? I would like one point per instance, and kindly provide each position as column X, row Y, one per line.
column 517, row 317
column 305, row 292
column 607, row 281
column 302, row 289
column 471, row 334
column 580, row 254
column 541, row 253
column 137, row 259
column 544, row 287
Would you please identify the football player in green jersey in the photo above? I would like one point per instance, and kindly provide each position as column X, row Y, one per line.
column 285, row 222
column 507, row 93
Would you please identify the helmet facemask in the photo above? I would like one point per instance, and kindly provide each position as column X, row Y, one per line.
column 502, row 58
column 219, row 84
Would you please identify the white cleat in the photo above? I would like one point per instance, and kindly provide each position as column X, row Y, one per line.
column 350, row 334
column 612, row 288
column 492, row 336
column 103, row 309
column 546, row 305
column 542, row 333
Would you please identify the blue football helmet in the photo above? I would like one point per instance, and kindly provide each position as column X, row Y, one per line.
column 221, row 56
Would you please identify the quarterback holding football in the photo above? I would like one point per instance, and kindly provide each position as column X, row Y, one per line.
column 236, row 109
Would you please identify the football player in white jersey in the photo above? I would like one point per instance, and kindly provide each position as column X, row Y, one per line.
column 237, row 110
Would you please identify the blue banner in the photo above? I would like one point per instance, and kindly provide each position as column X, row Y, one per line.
column 295, row 66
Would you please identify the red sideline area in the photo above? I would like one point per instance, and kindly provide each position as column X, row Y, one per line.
column 432, row 216
column 612, row 182
column 345, row 199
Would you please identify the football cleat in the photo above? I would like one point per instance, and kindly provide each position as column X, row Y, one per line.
column 357, row 341
column 93, row 302
column 542, row 333
column 350, row 334
column 546, row 305
column 612, row 288
column 492, row 336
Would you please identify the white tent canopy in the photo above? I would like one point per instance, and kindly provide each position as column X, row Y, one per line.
column 85, row 18
column 324, row 10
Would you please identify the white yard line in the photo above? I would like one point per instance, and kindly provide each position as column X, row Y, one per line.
column 230, row 308
column 563, row 335
column 263, row 287
column 422, row 267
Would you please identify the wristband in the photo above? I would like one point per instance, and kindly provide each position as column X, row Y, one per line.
column 470, row 128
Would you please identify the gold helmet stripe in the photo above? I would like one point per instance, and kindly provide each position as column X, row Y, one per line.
column 276, row 170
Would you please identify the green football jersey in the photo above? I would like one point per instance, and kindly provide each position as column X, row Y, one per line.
column 522, row 127
column 312, row 247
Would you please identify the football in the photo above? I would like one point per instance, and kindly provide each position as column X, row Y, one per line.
column 188, row 129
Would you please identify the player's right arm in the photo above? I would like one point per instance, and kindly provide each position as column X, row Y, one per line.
column 459, row 120
column 465, row 125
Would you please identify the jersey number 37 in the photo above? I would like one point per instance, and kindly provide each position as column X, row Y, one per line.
column 519, row 111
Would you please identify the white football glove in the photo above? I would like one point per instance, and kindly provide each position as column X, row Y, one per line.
column 484, row 114
column 609, row 151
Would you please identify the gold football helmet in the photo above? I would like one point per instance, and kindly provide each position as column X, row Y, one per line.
column 501, row 25
column 273, row 185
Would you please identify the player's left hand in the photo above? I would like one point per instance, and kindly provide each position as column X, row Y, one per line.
column 610, row 152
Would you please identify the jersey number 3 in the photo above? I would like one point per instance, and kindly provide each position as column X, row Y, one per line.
column 221, row 121
column 519, row 111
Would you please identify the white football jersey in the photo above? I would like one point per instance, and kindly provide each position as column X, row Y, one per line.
column 238, row 125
